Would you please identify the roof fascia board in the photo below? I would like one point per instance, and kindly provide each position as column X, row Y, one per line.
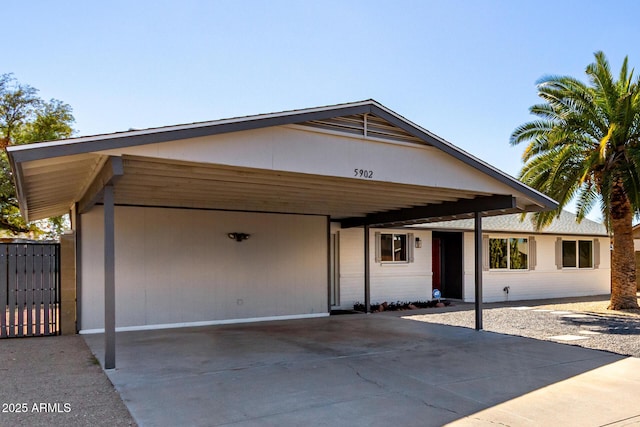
column 111, row 172
column 157, row 135
column 546, row 202
column 460, row 207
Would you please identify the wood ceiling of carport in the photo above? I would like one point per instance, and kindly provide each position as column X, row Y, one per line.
column 170, row 183
column 51, row 186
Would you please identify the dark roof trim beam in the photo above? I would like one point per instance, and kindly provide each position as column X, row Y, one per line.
column 112, row 170
column 461, row 207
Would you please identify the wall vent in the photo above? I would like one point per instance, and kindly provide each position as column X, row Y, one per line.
column 366, row 125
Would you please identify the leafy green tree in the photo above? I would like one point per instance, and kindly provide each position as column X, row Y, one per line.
column 26, row 118
column 585, row 145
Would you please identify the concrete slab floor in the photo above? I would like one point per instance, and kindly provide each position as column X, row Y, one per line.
column 365, row 370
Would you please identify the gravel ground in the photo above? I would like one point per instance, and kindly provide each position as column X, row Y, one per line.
column 566, row 321
column 56, row 381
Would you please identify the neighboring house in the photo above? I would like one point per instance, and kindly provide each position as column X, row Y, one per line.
column 519, row 263
column 265, row 217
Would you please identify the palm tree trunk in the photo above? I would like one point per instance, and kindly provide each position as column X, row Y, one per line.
column 623, row 264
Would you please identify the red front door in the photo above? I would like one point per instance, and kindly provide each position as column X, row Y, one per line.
column 435, row 262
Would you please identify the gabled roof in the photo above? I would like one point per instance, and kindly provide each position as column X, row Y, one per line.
column 566, row 224
column 52, row 176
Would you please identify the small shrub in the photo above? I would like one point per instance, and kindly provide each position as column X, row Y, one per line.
column 400, row 305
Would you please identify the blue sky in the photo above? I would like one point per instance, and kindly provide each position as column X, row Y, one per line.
column 465, row 70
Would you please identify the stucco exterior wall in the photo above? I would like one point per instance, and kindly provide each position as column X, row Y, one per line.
column 546, row 280
column 176, row 267
column 296, row 149
column 390, row 282
column 413, row 281
column 68, row 283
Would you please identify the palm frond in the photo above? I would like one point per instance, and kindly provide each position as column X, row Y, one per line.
column 604, row 143
column 587, row 197
column 530, row 131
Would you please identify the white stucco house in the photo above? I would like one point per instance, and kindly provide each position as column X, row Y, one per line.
column 519, row 262
column 288, row 215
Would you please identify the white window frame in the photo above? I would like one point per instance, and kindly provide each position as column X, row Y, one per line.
column 409, row 241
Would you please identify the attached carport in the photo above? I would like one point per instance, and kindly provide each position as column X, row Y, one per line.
column 358, row 164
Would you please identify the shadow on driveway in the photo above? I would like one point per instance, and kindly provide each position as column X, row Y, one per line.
column 606, row 324
column 365, row 370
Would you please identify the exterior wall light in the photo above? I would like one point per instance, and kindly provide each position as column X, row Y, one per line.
column 238, row 237
column 418, row 243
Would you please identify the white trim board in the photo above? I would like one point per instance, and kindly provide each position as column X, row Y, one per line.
column 206, row 323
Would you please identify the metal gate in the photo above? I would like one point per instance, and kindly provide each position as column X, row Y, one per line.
column 30, row 289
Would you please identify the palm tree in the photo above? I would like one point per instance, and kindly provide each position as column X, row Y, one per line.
column 585, row 145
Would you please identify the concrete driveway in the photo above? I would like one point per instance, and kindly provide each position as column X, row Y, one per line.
column 373, row 370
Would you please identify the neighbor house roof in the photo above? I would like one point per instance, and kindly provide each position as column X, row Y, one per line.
column 53, row 176
column 565, row 224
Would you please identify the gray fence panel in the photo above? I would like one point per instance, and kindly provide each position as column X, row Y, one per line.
column 54, row 290
column 29, row 302
column 44, row 285
column 49, row 280
column 46, row 290
column 56, row 275
column 29, row 289
column 37, row 287
column 21, row 289
column 11, row 283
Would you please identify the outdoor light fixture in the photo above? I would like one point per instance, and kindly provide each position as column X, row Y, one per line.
column 238, row 237
column 418, row 243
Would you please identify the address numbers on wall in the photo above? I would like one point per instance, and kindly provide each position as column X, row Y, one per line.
column 363, row 173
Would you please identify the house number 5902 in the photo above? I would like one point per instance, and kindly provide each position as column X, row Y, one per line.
column 363, row 173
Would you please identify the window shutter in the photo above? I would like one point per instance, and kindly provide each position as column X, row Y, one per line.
column 378, row 254
column 533, row 256
column 559, row 253
column 485, row 253
column 596, row 253
column 411, row 243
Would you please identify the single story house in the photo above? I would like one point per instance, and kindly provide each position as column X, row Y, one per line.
column 565, row 259
column 273, row 216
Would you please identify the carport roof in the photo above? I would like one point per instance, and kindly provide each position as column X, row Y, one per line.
column 51, row 177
